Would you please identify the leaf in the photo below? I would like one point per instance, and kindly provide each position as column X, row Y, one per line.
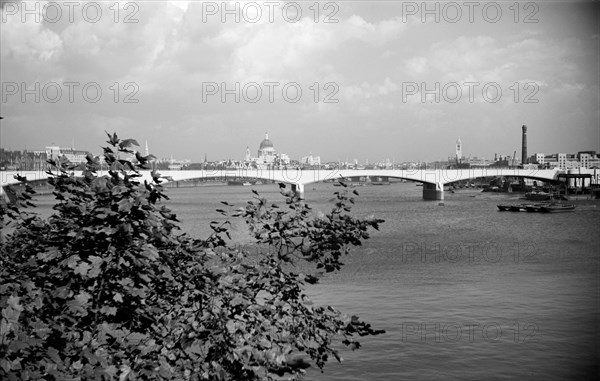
column 6, row 365
column 311, row 279
column 49, row 255
column 72, row 261
column 124, row 205
column 79, row 303
column 110, row 311
column 96, row 266
column 54, row 355
column 117, row 297
column 110, row 371
column 135, row 338
column 13, row 302
column 82, row 268
column 125, row 370
column 151, row 253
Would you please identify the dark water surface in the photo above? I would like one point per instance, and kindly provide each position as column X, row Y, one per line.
column 464, row 292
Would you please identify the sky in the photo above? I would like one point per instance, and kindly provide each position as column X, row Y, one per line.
column 339, row 79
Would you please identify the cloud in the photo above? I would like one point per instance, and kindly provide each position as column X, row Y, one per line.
column 29, row 42
column 369, row 54
column 416, row 65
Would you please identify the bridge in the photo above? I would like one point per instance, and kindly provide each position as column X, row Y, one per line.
column 433, row 179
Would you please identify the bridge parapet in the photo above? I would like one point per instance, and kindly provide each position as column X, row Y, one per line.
column 437, row 177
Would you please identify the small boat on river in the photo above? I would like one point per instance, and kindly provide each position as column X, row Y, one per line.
column 547, row 207
column 533, row 207
column 513, row 207
column 538, row 195
column 557, row 208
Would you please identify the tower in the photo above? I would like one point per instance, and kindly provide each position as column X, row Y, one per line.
column 524, row 145
column 147, row 152
column 247, row 153
column 458, row 149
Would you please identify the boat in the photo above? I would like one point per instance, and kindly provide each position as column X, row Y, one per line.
column 465, row 190
column 534, row 207
column 513, row 207
column 378, row 181
column 557, row 208
column 237, row 182
column 538, row 195
column 518, row 208
column 540, row 207
column 491, row 189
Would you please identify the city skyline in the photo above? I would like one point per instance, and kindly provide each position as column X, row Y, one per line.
column 184, row 80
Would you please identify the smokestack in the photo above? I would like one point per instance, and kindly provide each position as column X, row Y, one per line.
column 524, row 146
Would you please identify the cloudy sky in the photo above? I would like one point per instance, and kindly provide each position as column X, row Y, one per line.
column 343, row 80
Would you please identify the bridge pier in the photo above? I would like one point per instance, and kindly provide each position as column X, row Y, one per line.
column 433, row 191
column 299, row 189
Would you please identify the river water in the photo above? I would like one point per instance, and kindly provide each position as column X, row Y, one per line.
column 463, row 291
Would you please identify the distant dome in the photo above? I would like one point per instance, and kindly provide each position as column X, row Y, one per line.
column 266, row 143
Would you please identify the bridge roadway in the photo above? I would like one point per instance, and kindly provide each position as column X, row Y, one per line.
column 433, row 179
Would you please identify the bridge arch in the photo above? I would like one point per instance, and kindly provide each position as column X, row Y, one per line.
column 433, row 179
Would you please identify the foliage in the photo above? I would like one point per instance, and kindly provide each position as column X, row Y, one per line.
column 106, row 288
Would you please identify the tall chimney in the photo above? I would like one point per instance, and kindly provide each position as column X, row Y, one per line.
column 524, row 146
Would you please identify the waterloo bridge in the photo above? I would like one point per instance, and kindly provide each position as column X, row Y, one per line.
column 433, row 179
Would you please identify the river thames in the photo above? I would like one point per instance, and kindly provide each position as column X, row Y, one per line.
column 463, row 291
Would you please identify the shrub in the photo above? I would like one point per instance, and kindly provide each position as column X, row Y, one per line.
column 107, row 288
